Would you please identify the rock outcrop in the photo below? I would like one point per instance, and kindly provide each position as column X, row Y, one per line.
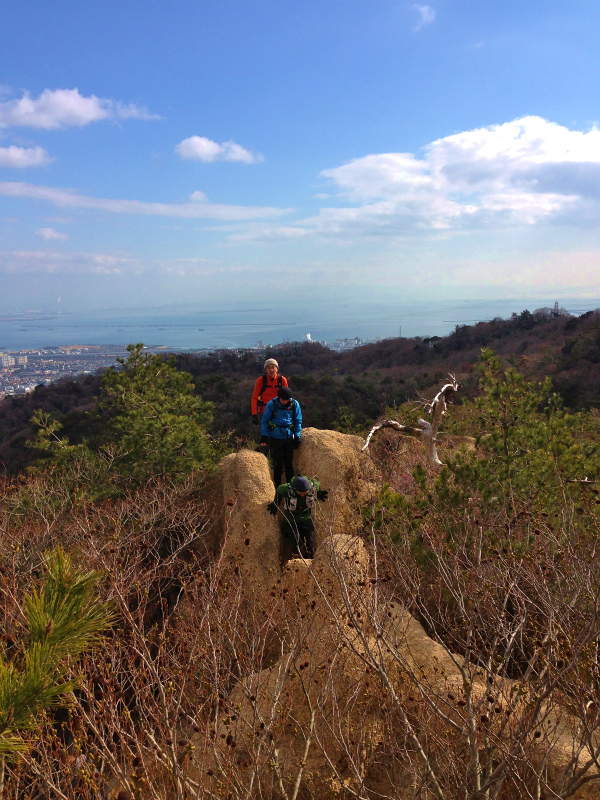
column 336, row 460
column 251, row 537
column 318, row 698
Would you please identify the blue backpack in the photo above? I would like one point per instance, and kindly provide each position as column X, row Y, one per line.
column 293, row 409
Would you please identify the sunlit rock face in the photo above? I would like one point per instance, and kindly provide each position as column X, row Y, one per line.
column 312, row 719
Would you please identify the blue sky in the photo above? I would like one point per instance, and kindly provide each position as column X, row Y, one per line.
column 220, row 150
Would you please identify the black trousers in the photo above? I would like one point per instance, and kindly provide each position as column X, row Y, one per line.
column 282, row 453
column 301, row 533
column 259, row 415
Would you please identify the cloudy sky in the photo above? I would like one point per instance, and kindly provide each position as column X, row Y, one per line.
column 224, row 149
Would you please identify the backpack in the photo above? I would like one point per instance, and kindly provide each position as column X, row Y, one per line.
column 293, row 409
column 264, row 386
column 291, row 501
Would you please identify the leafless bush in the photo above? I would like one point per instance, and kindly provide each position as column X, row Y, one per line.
column 504, row 702
column 325, row 685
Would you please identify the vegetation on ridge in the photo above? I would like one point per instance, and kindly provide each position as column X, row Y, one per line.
column 63, row 620
column 148, row 423
column 342, row 390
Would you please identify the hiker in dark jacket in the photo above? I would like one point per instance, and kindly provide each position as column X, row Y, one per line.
column 281, row 430
column 266, row 388
column 300, row 496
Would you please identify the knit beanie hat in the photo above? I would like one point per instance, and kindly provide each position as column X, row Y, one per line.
column 270, row 361
column 301, row 484
column 284, row 393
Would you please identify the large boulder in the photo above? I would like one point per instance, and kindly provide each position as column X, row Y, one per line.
column 250, row 536
column 251, row 540
column 318, row 671
column 349, row 475
column 282, row 718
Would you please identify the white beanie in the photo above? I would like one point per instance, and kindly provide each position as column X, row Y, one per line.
column 270, row 361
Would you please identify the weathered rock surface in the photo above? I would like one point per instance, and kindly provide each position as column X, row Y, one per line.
column 349, row 475
column 251, row 536
column 317, row 698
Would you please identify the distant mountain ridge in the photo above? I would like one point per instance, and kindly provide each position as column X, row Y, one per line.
column 345, row 390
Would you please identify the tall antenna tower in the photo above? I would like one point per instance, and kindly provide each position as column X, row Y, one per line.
column 555, row 312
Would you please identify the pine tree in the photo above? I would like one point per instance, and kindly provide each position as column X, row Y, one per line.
column 64, row 619
column 152, row 410
column 149, row 422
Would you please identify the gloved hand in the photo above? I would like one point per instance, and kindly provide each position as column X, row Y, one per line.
column 297, row 443
column 263, row 448
column 322, row 495
column 272, row 508
column 255, row 419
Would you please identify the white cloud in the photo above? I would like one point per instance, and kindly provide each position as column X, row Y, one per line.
column 385, row 175
column 86, row 263
column 22, row 157
column 520, row 172
column 197, row 207
column 426, row 16
column 51, row 233
column 517, row 174
column 65, row 108
column 28, row 261
column 199, row 148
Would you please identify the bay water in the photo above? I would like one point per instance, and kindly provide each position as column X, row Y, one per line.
column 208, row 326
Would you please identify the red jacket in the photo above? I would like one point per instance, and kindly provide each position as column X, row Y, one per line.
column 258, row 405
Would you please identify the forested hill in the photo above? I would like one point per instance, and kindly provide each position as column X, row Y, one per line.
column 346, row 390
column 364, row 381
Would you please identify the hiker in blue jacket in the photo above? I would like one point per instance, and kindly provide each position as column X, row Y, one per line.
column 281, row 430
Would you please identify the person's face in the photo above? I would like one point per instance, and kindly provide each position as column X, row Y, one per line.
column 284, row 401
column 271, row 370
column 301, row 494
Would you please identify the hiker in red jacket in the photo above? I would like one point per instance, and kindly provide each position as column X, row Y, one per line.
column 265, row 389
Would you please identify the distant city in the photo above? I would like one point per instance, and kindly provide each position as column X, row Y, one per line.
column 22, row 370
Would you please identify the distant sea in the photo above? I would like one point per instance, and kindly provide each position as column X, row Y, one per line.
column 198, row 327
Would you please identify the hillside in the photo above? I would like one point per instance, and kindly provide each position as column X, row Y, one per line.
column 442, row 643
column 436, row 629
column 347, row 390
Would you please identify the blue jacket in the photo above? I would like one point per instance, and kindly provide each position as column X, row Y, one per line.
column 281, row 422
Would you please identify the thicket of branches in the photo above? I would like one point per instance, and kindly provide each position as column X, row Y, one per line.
column 497, row 557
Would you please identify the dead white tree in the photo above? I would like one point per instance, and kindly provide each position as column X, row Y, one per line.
column 427, row 431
